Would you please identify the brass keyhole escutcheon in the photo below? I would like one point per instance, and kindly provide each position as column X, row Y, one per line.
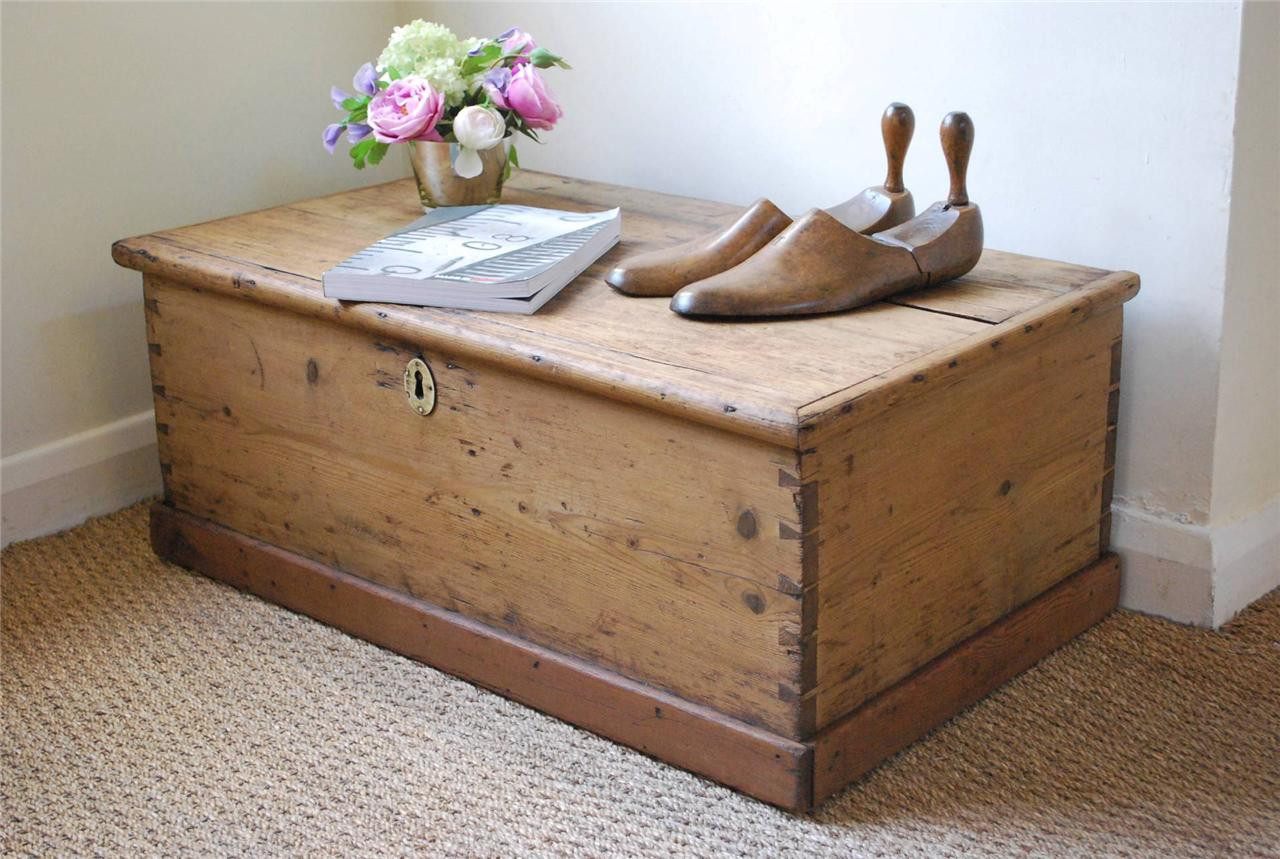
column 420, row 386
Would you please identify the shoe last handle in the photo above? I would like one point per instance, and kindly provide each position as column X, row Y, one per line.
column 957, row 143
column 896, row 126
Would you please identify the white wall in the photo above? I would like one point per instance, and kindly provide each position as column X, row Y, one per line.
column 1246, row 464
column 119, row 119
column 1105, row 136
column 1246, row 471
column 1206, row 571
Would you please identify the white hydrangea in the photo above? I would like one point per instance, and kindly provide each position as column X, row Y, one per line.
column 430, row 51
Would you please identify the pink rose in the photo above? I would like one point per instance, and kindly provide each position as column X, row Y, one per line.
column 406, row 110
column 529, row 96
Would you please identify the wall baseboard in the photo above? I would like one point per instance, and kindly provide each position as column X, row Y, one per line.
column 1167, row 567
column 1246, row 558
column 1197, row 574
column 60, row 484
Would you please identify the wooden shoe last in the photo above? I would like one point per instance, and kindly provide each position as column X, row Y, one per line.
column 818, row 265
column 664, row 272
column 883, row 206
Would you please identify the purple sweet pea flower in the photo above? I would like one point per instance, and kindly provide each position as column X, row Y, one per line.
column 516, row 39
column 358, row 131
column 495, row 84
column 331, row 135
column 366, row 80
column 338, row 97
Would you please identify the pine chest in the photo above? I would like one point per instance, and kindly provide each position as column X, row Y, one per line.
column 773, row 553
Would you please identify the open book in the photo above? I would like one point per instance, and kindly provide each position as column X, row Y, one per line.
column 512, row 259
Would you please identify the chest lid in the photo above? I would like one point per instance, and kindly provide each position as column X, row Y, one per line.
column 767, row 379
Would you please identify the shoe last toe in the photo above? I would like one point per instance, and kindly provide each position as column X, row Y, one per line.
column 702, row 298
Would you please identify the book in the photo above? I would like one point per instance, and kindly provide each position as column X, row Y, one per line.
column 510, row 259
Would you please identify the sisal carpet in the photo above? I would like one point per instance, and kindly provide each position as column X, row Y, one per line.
column 150, row 711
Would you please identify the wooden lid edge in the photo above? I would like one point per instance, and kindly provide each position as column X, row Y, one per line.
column 879, row 393
column 455, row 333
column 134, row 253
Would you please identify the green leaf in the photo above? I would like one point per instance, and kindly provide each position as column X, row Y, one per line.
column 358, row 115
column 360, row 152
column 393, row 73
column 377, row 151
column 353, row 103
column 383, row 84
column 544, row 59
column 512, row 162
column 482, row 60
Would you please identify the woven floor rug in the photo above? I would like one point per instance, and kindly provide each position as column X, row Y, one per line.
column 151, row 711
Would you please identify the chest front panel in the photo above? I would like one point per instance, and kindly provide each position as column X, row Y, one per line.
column 662, row 549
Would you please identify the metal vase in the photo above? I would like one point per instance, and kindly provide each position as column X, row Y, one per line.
column 438, row 185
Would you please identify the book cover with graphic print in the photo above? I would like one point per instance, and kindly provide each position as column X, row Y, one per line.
column 504, row 258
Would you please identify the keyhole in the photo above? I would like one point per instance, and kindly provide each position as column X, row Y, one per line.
column 419, row 387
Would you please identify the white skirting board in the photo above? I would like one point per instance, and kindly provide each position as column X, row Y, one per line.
column 60, row 484
column 1200, row 574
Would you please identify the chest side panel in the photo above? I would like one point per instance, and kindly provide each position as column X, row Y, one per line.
column 656, row 547
column 942, row 514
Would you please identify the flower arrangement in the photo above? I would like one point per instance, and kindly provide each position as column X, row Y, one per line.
column 428, row 84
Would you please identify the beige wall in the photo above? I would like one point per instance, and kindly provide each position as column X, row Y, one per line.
column 122, row 118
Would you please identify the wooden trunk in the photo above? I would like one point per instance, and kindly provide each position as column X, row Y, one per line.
column 773, row 553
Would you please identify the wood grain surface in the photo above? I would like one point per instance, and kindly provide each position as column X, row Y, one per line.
column 648, row 544
column 961, row 677
column 937, row 519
